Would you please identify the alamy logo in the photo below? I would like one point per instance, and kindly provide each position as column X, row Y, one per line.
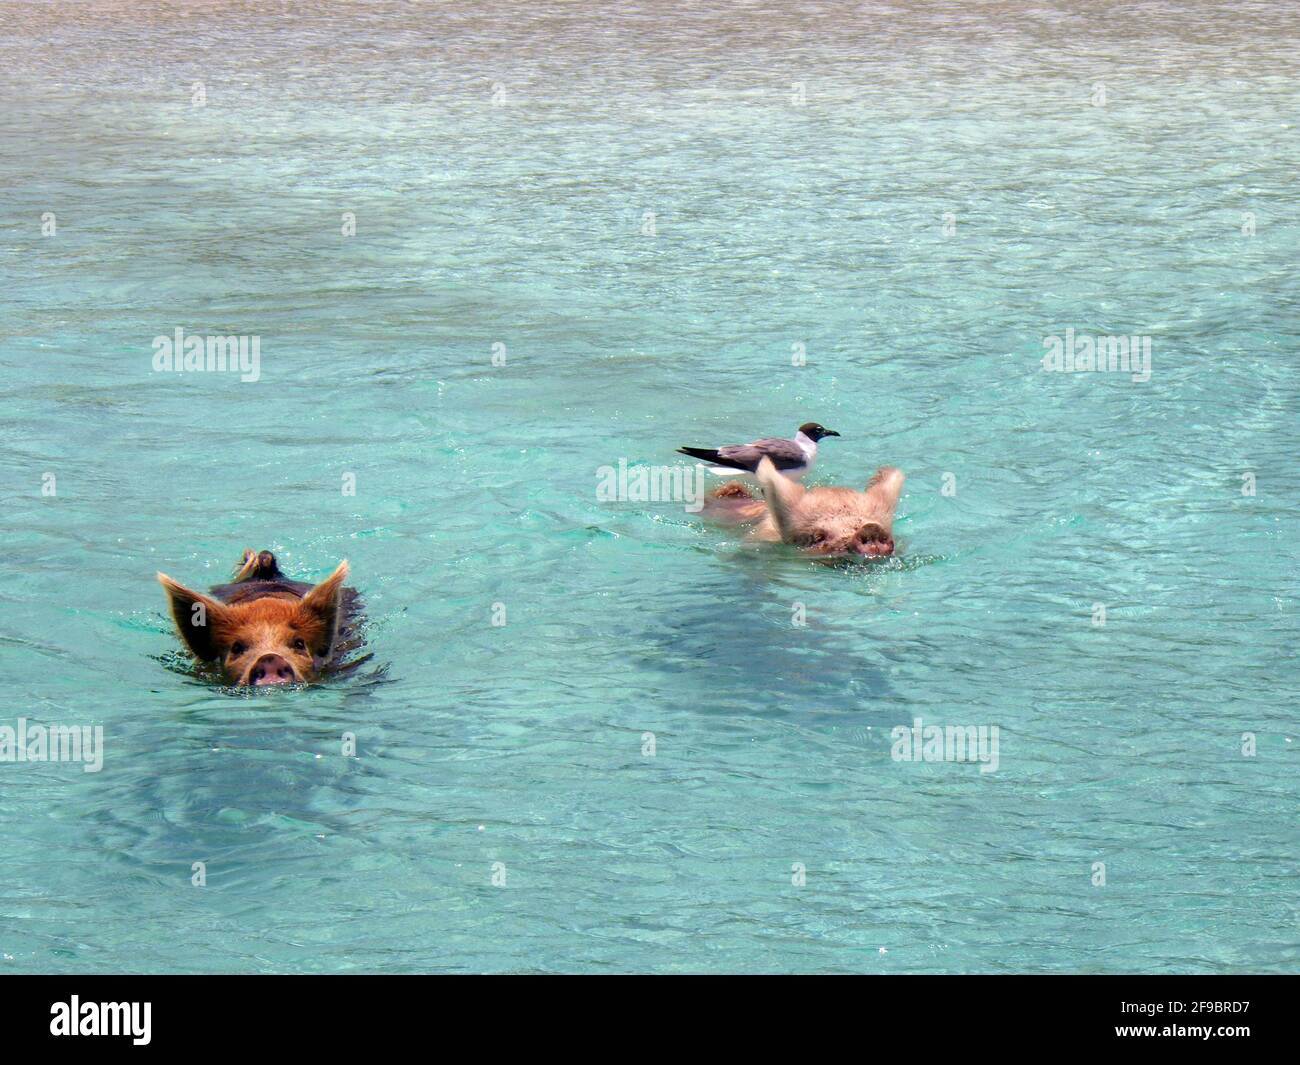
column 651, row 484
column 179, row 353
column 53, row 743
column 946, row 743
column 1082, row 353
column 102, row 1018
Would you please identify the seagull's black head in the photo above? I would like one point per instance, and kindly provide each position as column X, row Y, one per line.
column 814, row 432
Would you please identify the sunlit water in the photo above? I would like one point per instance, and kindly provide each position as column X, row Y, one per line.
column 918, row 194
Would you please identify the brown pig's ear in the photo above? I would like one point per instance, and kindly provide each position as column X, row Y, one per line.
column 321, row 605
column 197, row 616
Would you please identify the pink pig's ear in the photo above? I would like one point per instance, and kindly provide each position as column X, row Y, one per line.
column 198, row 618
column 320, row 609
column 783, row 496
column 884, row 488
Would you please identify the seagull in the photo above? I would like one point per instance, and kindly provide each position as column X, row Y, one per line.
column 793, row 457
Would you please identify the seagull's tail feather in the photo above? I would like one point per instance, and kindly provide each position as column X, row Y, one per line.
column 706, row 454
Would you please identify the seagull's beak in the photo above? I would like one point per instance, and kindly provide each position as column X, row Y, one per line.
column 830, row 432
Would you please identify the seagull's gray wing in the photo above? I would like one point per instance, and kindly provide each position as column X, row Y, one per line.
column 785, row 454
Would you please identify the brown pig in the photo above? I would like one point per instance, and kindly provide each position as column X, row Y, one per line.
column 264, row 628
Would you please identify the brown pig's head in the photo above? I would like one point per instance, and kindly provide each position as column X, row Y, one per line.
column 277, row 639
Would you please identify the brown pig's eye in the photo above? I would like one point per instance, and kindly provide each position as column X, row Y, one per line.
column 237, row 649
column 300, row 644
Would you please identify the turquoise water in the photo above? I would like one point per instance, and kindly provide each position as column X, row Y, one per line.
column 799, row 160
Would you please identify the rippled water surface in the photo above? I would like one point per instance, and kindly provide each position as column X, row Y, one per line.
column 647, row 210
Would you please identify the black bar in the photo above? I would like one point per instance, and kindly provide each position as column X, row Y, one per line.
column 339, row 1014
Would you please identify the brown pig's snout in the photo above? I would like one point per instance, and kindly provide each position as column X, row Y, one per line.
column 271, row 669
